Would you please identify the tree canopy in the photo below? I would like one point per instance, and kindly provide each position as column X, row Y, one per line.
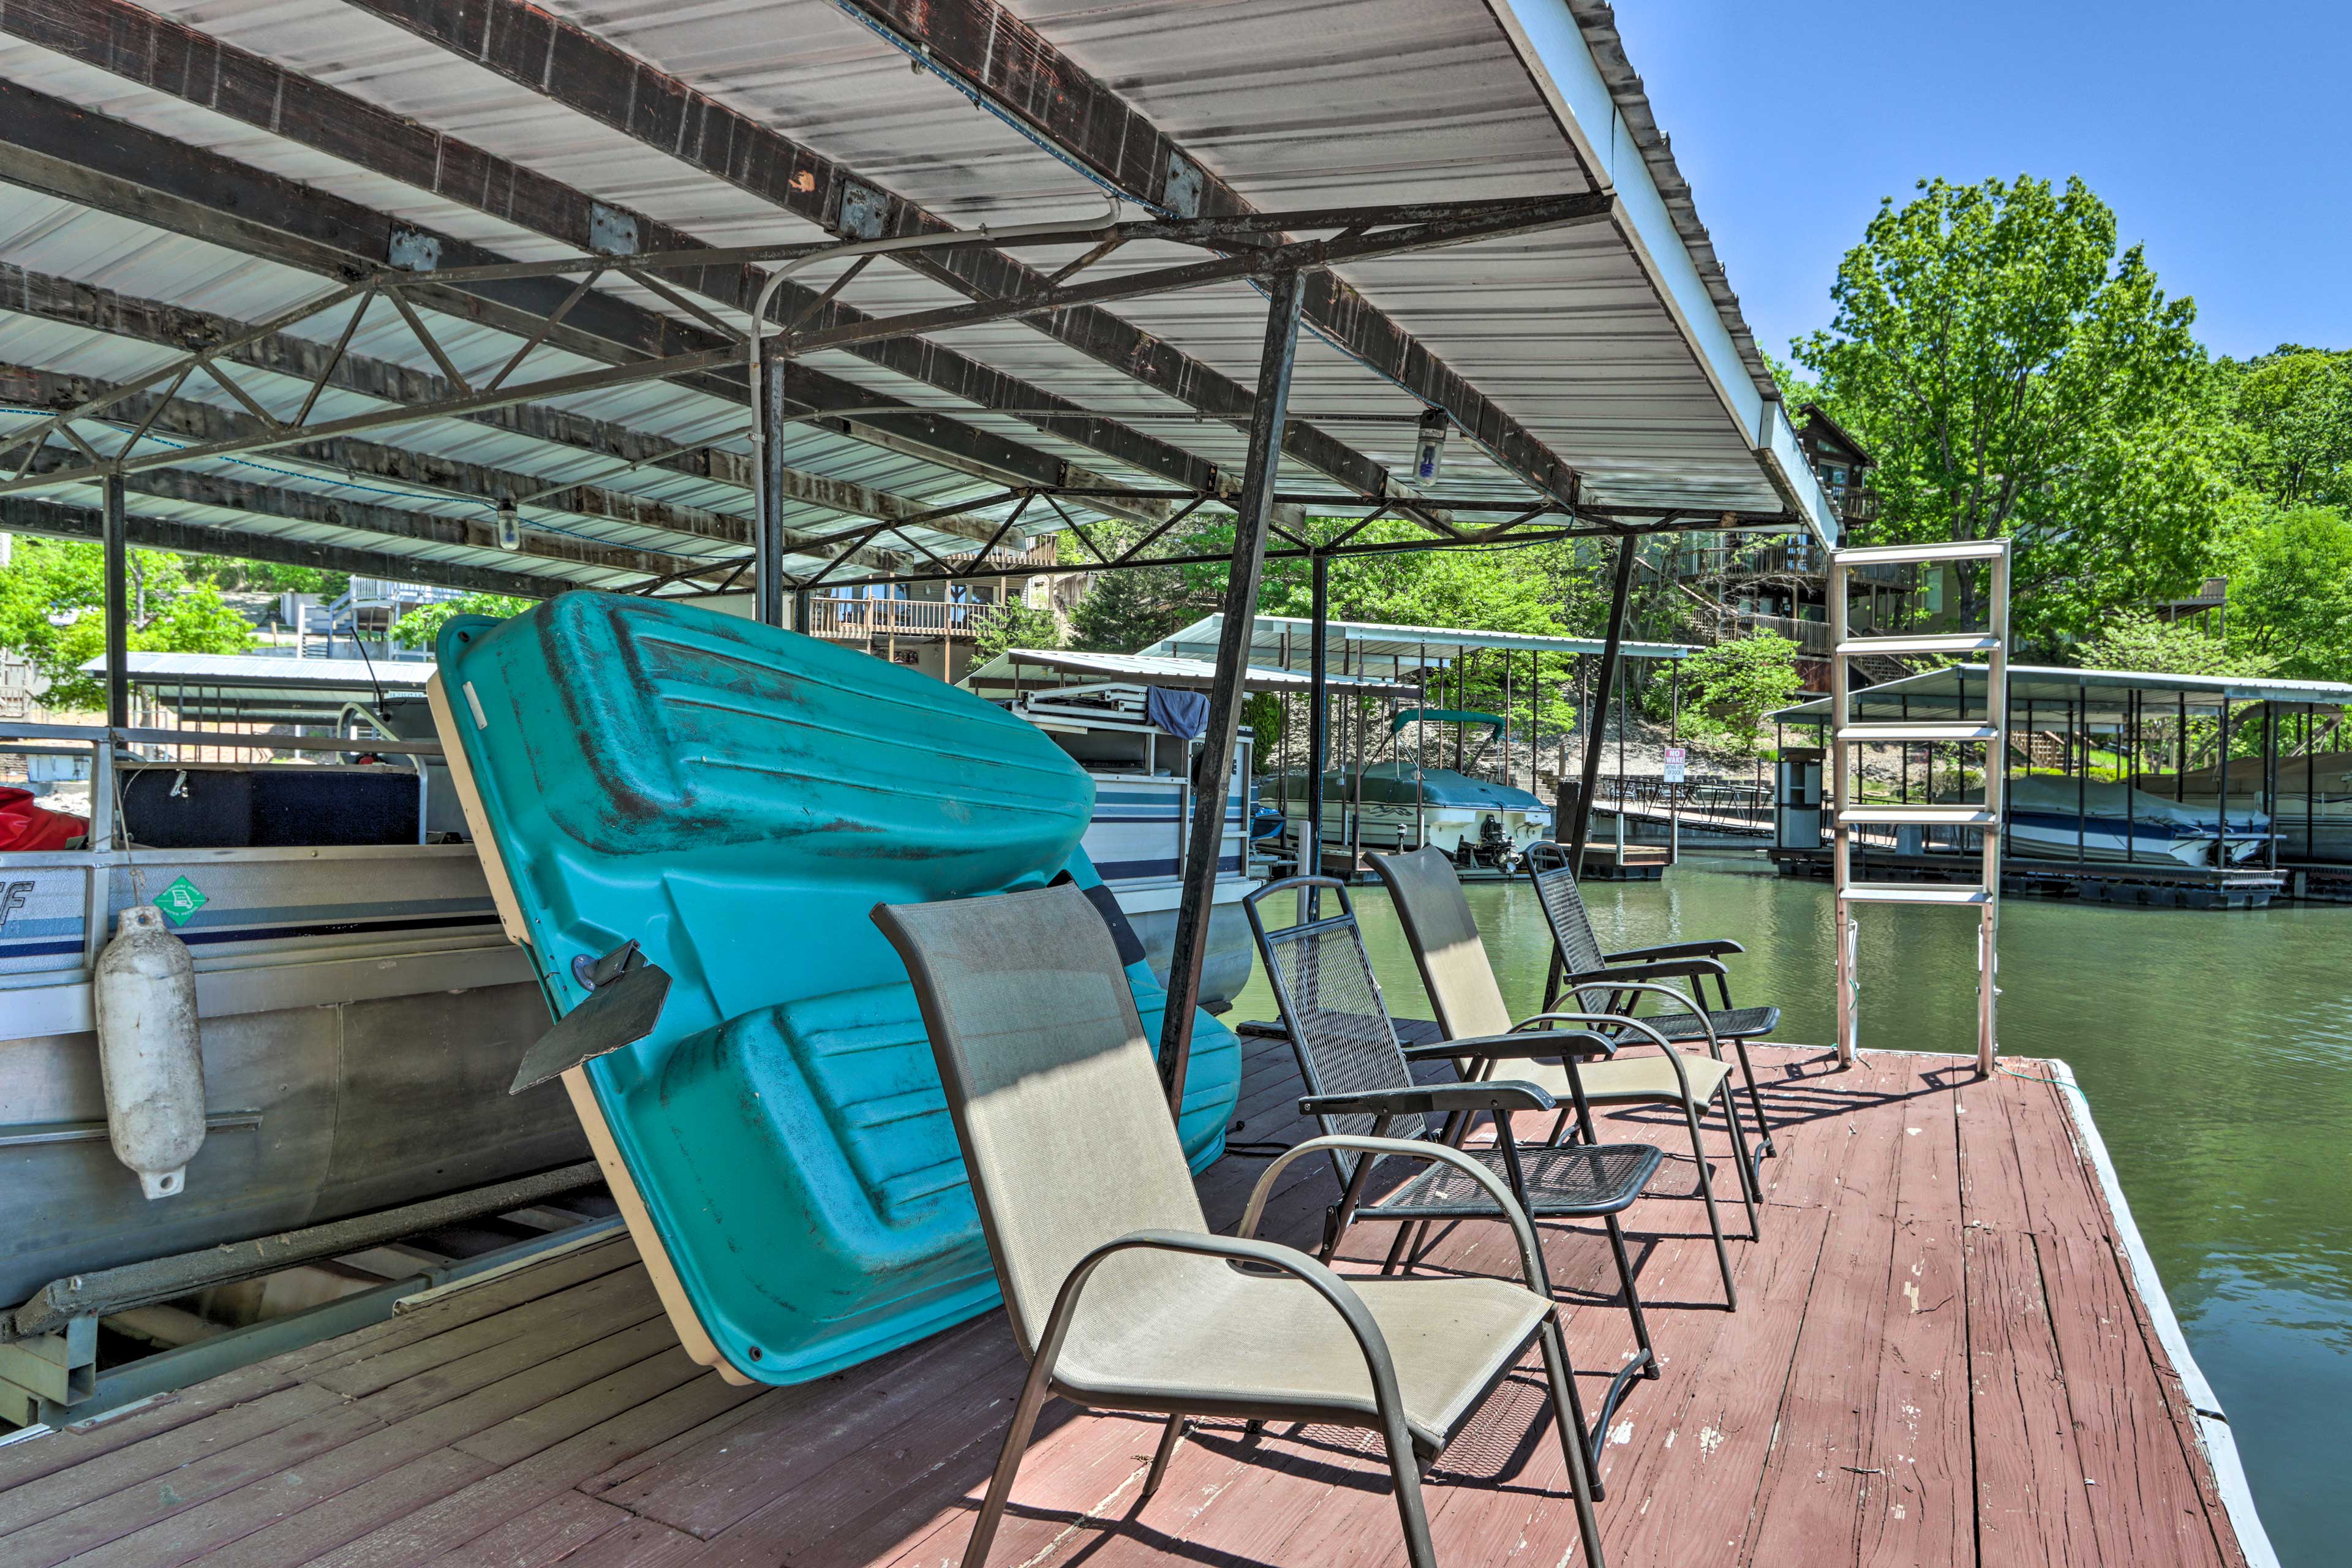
column 53, row 610
column 420, row 627
column 2016, row 375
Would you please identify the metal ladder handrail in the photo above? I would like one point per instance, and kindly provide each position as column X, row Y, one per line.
column 1845, row 814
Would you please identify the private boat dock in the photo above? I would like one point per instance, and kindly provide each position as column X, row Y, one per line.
column 1951, row 1349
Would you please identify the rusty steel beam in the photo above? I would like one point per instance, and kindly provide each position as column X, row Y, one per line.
column 56, row 520
column 61, row 150
column 46, row 298
column 25, row 386
column 169, row 57
column 995, row 56
column 196, row 488
column 565, row 62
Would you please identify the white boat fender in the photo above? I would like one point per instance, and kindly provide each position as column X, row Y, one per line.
column 149, row 1053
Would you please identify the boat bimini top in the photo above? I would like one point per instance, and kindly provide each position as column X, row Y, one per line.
column 733, row 800
column 1393, row 784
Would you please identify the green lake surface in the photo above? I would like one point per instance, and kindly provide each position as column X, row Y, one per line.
column 2216, row 1051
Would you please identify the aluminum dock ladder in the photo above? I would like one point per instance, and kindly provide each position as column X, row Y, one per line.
column 1991, row 732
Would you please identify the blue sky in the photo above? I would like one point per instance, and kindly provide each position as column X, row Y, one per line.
column 2221, row 136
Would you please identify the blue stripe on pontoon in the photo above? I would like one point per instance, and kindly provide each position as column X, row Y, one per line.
column 37, row 949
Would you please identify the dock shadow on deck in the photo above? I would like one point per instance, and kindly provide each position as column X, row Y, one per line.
column 1940, row 1359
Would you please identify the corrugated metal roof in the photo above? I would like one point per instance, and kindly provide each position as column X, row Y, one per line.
column 1156, row 669
column 1583, row 336
column 1959, row 689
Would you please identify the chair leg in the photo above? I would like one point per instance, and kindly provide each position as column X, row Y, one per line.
column 1763, row 1127
column 1713, row 1219
column 1405, row 1249
column 1751, row 1182
column 1173, row 1435
column 1008, row 1463
column 1583, row 1480
column 1559, row 1128
column 1633, row 1297
column 1419, row 1552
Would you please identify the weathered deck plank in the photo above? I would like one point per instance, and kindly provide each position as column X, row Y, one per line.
column 1937, row 1351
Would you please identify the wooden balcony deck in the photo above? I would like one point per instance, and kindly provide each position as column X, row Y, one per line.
column 1940, row 1358
column 869, row 620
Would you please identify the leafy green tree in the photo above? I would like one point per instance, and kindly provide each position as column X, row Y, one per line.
column 230, row 574
column 2290, row 601
column 2015, row 374
column 53, row 611
column 1729, row 688
column 420, row 627
column 1016, row 626
column 1129, row 610
column 2134, row 639
column 2292, row 411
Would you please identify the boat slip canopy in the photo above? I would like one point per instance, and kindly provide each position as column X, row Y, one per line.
column 735, row 799
column 1599, row 365
column 1016, row 668
column 2102, row 695
column 1287, row 642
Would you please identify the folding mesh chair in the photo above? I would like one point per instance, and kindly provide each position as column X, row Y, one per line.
column 1454, row 970
column 1613, row 982
column 1117, row 1294
column 1360, row 1081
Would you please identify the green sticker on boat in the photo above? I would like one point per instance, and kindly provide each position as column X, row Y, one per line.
column 181, row 901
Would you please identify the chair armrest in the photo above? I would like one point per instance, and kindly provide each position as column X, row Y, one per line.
column 1716, row 947
column 1537, row 1044
column 1243, row 1249
column 1530, row 1260
column 1492, row 1094
column 1666, row 970
column 1706, row 1019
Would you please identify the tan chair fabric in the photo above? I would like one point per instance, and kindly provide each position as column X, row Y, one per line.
column 1629, row 1079
column 1446, row 944
column 1054, row 1094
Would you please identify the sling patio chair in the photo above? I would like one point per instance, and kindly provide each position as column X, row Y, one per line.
column 1462, row 991
column 1119, row 1296
column 1595, row 976
column 1360, row 1080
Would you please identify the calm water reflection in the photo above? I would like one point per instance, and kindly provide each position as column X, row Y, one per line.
column 2216, row 1048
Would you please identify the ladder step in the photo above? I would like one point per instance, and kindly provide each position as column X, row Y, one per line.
column 1898, row 554
column 1887, row 734
column 1914, row 893
column 1929, row 642
column 1915, row 816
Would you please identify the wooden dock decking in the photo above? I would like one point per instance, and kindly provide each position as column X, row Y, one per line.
column 1940, row 1358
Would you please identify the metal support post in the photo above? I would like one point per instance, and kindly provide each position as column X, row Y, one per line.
column 2221, row 792
column 1996, row 795
column 1846, row 983
column 1580, row 826
column 1318, row 721
column 2269, row 783
column 768, row 522
column 1604, row 685
column 118, row 605
column 1226, row 690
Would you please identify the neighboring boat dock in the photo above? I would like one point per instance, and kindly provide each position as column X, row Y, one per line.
column 2116, row 789
column 1953, row 1352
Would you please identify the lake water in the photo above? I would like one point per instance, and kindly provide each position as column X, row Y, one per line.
column 2215, row 1048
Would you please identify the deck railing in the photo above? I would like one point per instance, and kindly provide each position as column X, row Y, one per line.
column 857, row 620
